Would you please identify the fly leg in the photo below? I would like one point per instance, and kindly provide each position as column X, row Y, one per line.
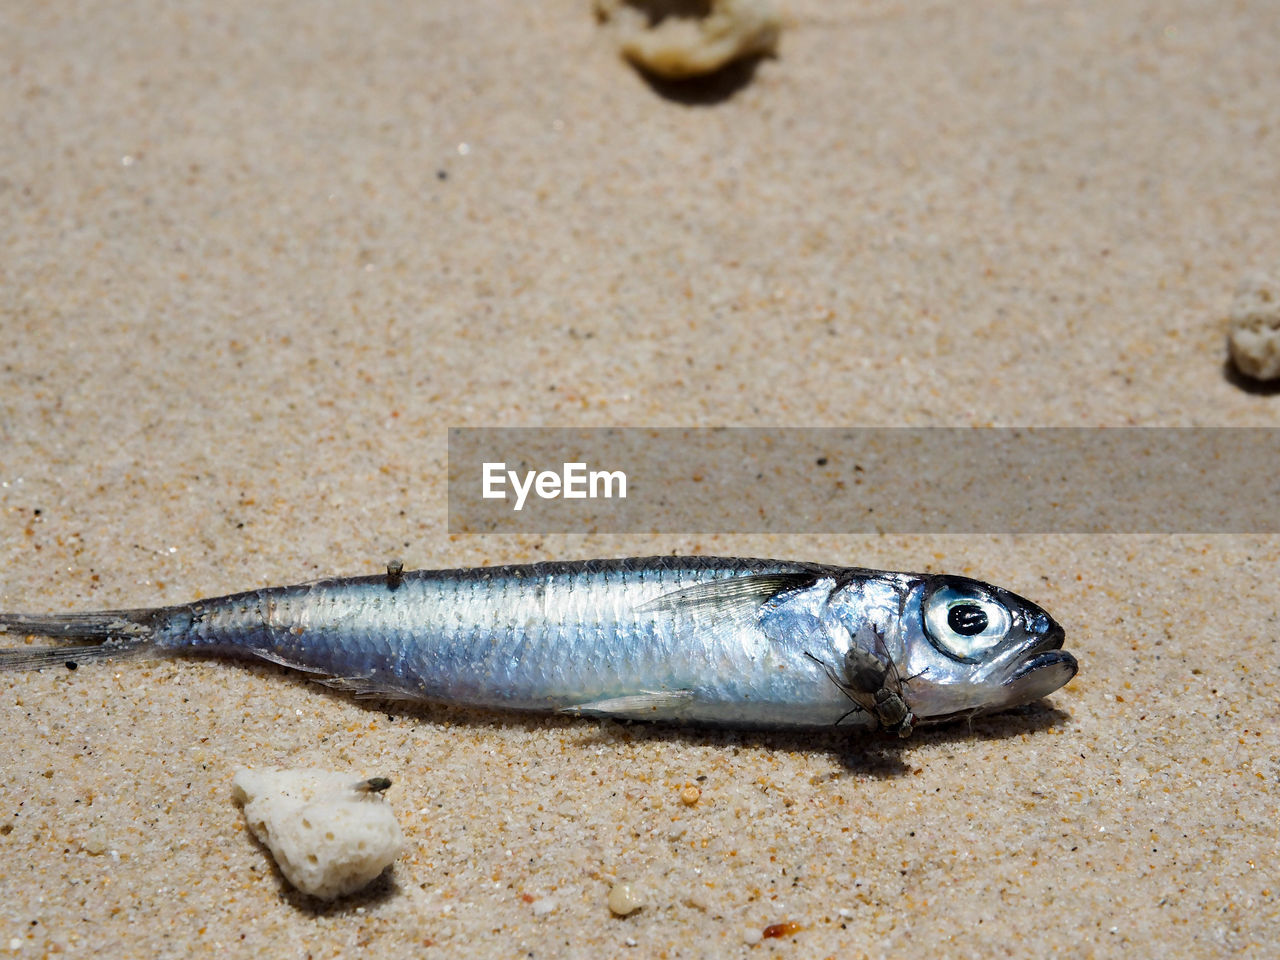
column 840, row 685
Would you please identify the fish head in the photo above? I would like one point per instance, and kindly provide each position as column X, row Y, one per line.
column 969, row 647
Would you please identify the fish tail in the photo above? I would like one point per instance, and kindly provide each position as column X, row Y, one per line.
column 86, row 637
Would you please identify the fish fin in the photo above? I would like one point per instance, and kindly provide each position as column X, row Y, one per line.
column 730, row 603
column 282, row 661
column 647, row 705
column 71, row 655
column 361, row 687
column 91, row 637
column 366, row 688
column 718, row 596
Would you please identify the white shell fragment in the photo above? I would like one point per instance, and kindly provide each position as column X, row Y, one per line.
column 624, row 899
column 1254, row 337
column 330, row 834
column 677, row 40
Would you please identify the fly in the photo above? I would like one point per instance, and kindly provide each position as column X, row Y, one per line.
column 874, row 685
column 877, row 688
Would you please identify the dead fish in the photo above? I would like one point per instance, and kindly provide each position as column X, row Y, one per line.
column 698, row 640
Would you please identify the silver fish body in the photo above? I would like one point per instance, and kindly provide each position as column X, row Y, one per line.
column 758, row 643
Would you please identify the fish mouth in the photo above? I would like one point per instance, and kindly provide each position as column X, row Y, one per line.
column 1043, row 669
column 1051, row 640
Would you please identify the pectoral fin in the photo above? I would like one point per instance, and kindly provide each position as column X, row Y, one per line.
column 730, row 594
column 729, row 604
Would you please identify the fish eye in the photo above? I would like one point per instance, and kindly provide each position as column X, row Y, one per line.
column 964, row 623
column 967, row 619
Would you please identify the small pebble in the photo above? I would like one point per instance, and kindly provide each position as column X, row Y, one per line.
column 690, row 795
column 675, row 47
column 1254, row 337
column 751, row 936
column 778, row 930
column 95, row 842
column 624, row 900
column 542, row 906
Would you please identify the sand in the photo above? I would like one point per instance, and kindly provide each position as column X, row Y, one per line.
column 255, row 259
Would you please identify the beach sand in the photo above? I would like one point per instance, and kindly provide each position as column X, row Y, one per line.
column 255, row 259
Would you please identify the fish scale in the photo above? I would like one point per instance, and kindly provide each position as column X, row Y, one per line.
column 761, row 643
